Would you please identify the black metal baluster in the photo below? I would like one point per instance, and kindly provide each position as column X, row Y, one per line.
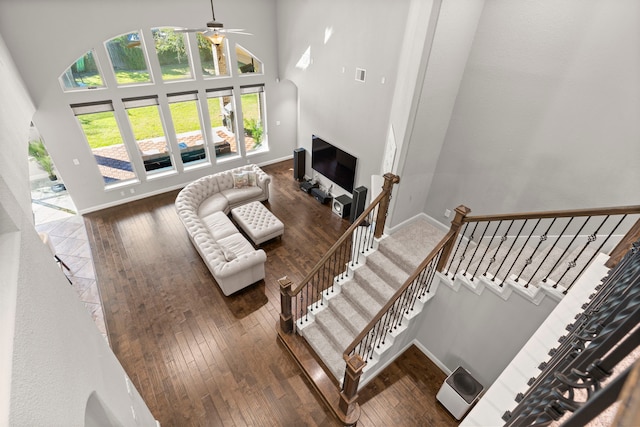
column 464, row 251
column 521, row 250
column 453, row 257
column 466, row 270
column 508, row 252
column 432, row 273
column 486, row 249
column 586, row 264
column 503, row 239
column 569, row 246
column 543, row 238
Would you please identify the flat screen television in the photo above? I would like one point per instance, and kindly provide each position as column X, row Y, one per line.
column 335, row 164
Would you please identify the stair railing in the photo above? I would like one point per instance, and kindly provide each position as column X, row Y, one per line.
column 299, row 302
column 401, row 304
column 551, row 248
column 460, row 247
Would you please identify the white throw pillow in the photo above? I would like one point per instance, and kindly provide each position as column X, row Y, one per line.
column 240, row 180
column 252, row 178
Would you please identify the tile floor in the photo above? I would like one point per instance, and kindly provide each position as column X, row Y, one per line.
column 55, row 214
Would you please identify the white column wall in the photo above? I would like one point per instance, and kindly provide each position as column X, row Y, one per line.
column 52, row 356
column 546, row 116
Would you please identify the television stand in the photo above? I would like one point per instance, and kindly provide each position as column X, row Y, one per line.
column 307, row 186
column 320, row 196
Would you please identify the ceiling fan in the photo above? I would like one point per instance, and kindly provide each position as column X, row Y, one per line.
column 215, row 30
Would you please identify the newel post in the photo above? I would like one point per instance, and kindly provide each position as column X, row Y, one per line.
column 349, row 395
column 461, row 212
column 286, row 320
column 381, row 219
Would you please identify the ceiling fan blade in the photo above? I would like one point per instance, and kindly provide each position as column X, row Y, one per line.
column 189, row 30
column 232, row 31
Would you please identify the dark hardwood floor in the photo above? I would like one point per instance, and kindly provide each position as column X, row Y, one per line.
column 202, row 359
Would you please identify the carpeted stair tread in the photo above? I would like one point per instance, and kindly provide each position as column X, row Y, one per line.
column 386, row 269
column 349, row 313
column 325, row 349
column 373, row 284
column 335, row 329
column 410, row 245
column 368, row 305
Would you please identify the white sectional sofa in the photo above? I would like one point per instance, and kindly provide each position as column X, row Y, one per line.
column 203, row 207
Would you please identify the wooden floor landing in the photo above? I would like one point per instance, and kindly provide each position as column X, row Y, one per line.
column 202, row 359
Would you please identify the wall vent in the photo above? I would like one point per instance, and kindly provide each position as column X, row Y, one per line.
column 360, row 74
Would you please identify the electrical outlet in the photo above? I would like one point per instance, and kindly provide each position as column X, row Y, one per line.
column 447, row 213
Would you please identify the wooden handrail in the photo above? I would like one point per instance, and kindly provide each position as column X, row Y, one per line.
column 347, row 235
column 620, row 210
column 451, row 235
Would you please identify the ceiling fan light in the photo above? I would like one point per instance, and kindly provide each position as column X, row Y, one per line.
column 215, row 38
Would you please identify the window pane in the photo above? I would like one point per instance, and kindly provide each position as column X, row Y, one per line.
column 247, row 63
column 172, row 54
column 252, row 112
column 186, row 122
column 82, row 74
column 213, row 57
column 222, row 116
column 128, row 60
column 104, row 138
column 150, row 138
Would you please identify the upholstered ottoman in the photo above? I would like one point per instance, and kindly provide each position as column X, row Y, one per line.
column 256, row 220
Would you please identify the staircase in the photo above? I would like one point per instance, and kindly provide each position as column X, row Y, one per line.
column 358, row 308
column 364, row 290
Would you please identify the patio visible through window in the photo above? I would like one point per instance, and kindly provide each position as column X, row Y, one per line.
column 103, row 136
column 148, row 132
column 222, row 116
column 186, row 122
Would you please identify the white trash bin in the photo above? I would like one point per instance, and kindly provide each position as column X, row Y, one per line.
column 459, row 392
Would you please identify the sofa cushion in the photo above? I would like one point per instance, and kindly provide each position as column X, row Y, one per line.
column 192, row 222
column 229, row 255
column 193, row 194
column 219, row 225
column 215, row 203
column 236, row 243
column 236, row 195
column 225, row 180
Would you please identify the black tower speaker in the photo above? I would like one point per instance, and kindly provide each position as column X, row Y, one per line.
column 298, row 164
column 358, row 204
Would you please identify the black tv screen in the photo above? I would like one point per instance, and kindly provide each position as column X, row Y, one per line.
column 335, row 164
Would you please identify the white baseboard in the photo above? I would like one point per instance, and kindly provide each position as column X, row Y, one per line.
column 431, row 357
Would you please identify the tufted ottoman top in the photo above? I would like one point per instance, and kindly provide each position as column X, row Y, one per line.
column 258, row 222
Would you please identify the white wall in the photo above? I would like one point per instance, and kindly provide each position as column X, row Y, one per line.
column 546, row 116
column 482, row 333
column 64, row 30
column 452, row 27
column 52, row 356
column 349, row 114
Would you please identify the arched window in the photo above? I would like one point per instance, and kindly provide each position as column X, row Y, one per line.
column 145, row 127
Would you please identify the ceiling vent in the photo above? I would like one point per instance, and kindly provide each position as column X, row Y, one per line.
column 360, row 74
